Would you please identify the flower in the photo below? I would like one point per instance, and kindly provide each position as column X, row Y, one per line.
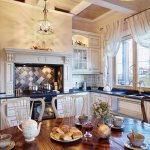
column 100, row 110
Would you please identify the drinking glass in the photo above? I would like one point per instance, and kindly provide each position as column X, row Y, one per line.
column 88, row 127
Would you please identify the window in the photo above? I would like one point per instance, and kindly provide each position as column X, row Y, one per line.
column 132, row 64
column 143, row 65
column 124, row 63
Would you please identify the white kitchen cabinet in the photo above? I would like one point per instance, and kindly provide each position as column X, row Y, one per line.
column 94, row 41
column 80, row 60
column 11, row 110
column 130, row 107
column 79, row 102
column 96, row 97
column 94, row 60
column 147, row 108
column 86, row 52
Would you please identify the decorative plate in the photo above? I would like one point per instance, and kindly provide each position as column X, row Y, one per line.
column 142, row 147
column 62, row 141
column 9, row 147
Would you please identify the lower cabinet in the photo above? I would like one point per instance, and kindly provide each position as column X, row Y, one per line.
column 79, row 103
column 10, row 110
column 130, row 107
column 121, row 106
column 95, row 97
column 147, row 107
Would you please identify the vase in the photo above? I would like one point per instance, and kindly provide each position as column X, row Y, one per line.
column 99, row 121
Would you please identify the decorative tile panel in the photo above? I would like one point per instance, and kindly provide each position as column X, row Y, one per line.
column 26, row 77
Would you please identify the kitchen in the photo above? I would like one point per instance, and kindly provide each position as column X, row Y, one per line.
column 72, row 55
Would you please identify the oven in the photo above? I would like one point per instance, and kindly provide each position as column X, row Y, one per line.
column 48, row 112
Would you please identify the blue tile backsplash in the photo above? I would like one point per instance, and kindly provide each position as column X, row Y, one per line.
column 28, row 76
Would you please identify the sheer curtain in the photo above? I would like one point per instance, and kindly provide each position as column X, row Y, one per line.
column 110, row 38
column 140, row 28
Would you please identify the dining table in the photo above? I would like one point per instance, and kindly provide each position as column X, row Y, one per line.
column 43, row 141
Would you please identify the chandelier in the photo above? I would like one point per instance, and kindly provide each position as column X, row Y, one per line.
column 45, row 27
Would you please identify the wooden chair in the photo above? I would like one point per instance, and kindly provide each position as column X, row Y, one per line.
column 69, row 105
column 17, row 110
column 143, row 108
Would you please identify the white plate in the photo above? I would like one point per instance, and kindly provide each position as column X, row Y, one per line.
column 73, row 140
column 142, row 147
column 118, row 128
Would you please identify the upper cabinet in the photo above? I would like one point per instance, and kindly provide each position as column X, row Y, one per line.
column 86, row 52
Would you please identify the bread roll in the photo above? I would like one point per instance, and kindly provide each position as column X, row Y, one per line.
column 54, row 129
column 69, row 134
column 56, row 135
column 64, row 128
column 65, row 137
column 73, row 129
column 77, row 134
column 59, row 131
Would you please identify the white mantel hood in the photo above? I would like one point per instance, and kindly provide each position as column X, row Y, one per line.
column 38, row 52
column 37, row 56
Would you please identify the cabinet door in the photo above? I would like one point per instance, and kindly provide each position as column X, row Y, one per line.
column 94, row 41
column 96, row 97
column 95, row 61
column 23, row 105
column 130, row 108
column 79, row 104
column 80, row 59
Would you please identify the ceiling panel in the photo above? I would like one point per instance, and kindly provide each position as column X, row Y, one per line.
column 67, row 5
column 136, row 5
column 93, row 11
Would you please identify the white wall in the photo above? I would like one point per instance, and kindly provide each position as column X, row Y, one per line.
column 18, row 29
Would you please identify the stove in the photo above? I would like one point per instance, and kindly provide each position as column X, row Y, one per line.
column 48, row 112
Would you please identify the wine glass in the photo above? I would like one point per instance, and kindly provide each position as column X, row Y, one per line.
column 88, row 127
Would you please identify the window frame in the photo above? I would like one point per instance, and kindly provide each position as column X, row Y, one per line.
column 134, row 85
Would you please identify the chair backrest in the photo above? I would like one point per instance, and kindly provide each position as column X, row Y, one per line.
column 17, row 110
column 143, row 108
column 68, row 105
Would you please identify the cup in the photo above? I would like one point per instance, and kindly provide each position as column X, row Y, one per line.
column 5, row 140
column 136, row 139
column 117, row 121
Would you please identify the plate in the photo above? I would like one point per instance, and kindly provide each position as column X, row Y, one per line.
column 62, row 141
column 117, row 128
column 142, row 147
column 9, row 147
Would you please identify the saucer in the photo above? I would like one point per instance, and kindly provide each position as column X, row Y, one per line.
column 10, row 146
column 117, row 128
column 78, row 124
column 142, row 147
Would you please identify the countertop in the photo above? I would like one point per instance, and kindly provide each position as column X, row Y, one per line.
column 115, row 92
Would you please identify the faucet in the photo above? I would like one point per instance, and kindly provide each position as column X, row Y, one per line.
column 140, row 86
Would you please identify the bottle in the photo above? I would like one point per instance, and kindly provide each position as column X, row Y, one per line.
column 84, row 88
column 76, row 85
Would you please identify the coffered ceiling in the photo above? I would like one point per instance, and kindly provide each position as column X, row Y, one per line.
column 92, row 9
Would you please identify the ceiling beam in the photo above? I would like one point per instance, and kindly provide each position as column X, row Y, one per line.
column 80, row 7
column 112, row 6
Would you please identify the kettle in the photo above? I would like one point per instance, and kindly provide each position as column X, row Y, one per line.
column 30, row 129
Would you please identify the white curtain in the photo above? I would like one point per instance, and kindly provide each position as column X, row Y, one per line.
column 110, row 38
column 140, row 28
